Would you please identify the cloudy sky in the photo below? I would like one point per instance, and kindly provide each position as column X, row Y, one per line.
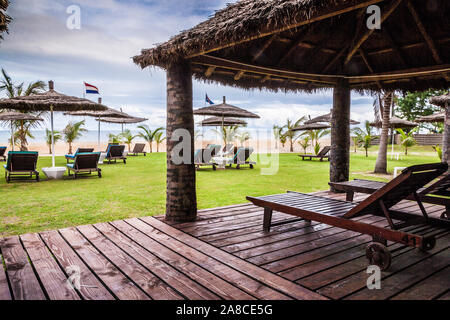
column 40, row 46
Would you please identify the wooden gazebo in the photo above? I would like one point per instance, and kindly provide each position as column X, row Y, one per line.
column 301, row 45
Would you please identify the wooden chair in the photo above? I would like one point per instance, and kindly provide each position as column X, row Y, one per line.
column 85, row 163
column 115, row 152
column 3, row 153
column 437, row 192
column 339, row 213
column 138, row 148
column 71, row 157
column 21, row 164
column 241, row 157
column 203, row 157
column 323, row 154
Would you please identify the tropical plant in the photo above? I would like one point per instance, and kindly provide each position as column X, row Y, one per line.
column 277, row 133
column 127, row 137
column 283, row 140
column 355, row 142
column 114, row 138
column 438, row 149
column 197, row 135
column 159, row 139
column 291, row 135
column 72, row 132
column 48, row 138
column 242, row 137
column 316, row 135
column 317, row 148
column 148, row 134
column 304, row 143
column 14, row 90
column 228, row 133
column 406, row 139
column 364, row 137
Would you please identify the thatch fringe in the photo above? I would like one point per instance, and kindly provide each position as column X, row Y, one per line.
column 243, row 19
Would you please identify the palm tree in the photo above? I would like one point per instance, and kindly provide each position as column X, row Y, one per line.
column 72, row 132
column 159, row 139
column 48, row 138
column 290, row 135
column 15, row 90
column 364, row 137
column 315, row 136
column 114, row 138
column 148, row 135
column 381, row 162
column 355, row 141
column 127, row 137
column 406, row 139
column 228, row 133
column 277, row 134
column 304, row 143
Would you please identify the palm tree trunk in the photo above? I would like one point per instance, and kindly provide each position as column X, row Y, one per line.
column 70, row 147
column 181, row 197
column 381, row 163
column 151, row 146
column 292, row 145
column 446, row 138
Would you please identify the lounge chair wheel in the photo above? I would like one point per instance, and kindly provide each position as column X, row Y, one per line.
column 251, row 166
column 428, row 243
column 238, row 166
column 214, row 168
column 99, row 174
column 378, row 255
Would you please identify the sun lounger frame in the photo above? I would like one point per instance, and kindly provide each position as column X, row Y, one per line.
column 323, row 154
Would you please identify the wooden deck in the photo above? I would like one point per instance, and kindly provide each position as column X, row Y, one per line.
column 223, row 255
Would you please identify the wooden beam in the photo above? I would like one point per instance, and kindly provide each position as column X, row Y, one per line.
column 394, row 46
column 209, row 71
column 368, row 33
column 265, row 79
column 332, row 12
column 335, row 59
column 424, row 33
column 303, row 34
column 405, row 47
column 239, row 75
column 369, row 67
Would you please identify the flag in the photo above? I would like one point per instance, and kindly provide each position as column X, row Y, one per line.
column 90, row 88
column 207, row 99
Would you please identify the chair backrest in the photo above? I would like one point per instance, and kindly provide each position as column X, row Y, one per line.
column 84, row 150
column 2, row 151
column 441, row 187
column 198, row 155
column 87, row 160
column 409, row 181
column 115, row 151
column 138, row 148
column 228, row 147
column 324, row 151
column 22, row 160
column 213, row 149
column 241, row 155
column 202, row 156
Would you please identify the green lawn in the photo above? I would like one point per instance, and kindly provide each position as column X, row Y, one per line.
column 138, row 189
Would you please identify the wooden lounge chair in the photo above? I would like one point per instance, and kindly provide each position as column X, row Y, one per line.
column 85, row 163
column 339, row 213
column 138, row 148
column 71, row 157
column 203, row 157
column 214, row 149
column 115, row 152
column 3, row 153
column 437, row 192
column 323, row 154
column 21, row 164
column 241, row 157
column 227, row 149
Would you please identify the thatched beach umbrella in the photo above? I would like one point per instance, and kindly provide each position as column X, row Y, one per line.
column 50, row 100
column 396, row 123
column 122, row 121
column 327, row 118
column 436, row 117
column 217, row 121
column 108, row 113
column 312, row 126
column 444, row 102
column 17, row 116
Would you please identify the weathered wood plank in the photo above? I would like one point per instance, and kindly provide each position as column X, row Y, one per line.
column 5, row 293
column 52, row 277
column 24, row 283
column 91, row 288
column 252, row 271
column 189, row 288
column 113, row 278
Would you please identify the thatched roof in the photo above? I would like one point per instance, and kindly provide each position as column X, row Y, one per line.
column 43, row 101
column 4, row 18
column 441, row 101
column 217, row 122
column 314, row 44
column 109, row 112
column 312, row 126
column 122, row 120
column 15, row 116
column 397, row 123
column 225, row 110
column 437, row 117
column 327, row 118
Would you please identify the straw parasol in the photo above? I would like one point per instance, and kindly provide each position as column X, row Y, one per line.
column 327, row 118
column 437, row 117
column 396, row 123
column 312, row 126
column 217, row 121
column 50, row 100
column 17, row 116
column 225, row 110
column 99, row 114
column 441, row 101
column 122, row 120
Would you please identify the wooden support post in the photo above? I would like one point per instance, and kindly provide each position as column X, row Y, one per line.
column 340, row 134
column 267, row 219
column 181, row 200
column 446, row 139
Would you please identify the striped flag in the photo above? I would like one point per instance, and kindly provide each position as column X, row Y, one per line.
column 91, row 89
column 207, row 99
